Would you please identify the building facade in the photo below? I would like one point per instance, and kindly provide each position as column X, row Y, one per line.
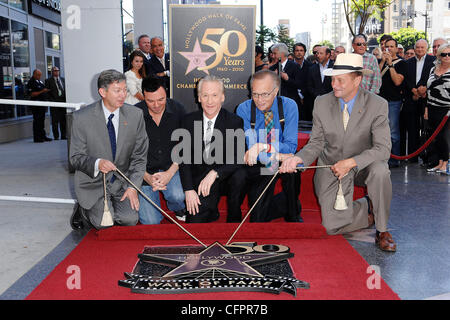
column 30, row 38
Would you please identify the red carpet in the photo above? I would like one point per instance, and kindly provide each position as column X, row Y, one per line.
column 329, row 264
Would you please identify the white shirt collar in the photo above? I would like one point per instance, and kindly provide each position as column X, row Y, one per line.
column 206, row 119
column 421, row 59
column 284, row 64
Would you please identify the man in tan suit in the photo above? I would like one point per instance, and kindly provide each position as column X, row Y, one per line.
column 351, row 133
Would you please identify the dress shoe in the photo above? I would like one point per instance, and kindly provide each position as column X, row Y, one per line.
column 47, row 139
column 432, row 169
column 181, row 214
column 76, row 221
column 385, row 242
column 38, row 140
column 63, row 138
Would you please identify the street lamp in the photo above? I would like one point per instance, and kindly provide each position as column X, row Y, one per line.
column 426, row 15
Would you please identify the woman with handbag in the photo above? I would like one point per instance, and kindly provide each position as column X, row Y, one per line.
column 438, row 104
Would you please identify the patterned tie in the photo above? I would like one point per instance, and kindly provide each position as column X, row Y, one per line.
column 345, row 116
column 208, row 137
column 268, row 123
column 112, row 139
column 340, row 203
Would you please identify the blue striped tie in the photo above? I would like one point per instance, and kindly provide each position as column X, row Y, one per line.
column 112, row 139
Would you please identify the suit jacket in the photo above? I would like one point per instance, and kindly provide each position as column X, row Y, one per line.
column 155, row 67
column 50, row 83
column 290, row 87
column 90, row 141
column 315, row 85
column 367, row 138
column 410, row 77
column 192, row 172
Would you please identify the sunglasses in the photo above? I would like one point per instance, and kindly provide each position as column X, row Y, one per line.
column 360, row 44
column 445, row 54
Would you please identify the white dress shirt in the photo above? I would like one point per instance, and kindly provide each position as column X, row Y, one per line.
column 419, row 67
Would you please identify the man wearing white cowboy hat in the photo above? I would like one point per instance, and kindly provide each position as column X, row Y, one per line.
column 351, row 133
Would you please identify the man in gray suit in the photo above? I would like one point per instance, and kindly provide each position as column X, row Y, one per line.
column 107, row 135
column 351, row 133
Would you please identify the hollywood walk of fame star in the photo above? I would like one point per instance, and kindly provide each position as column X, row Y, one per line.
column 197, row 58
column 215, row 257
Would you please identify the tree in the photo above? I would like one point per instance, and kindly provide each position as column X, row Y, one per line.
column 264, row 35
column 407, row 37
column 326, row 43
column 283, row 37
column 363, row 10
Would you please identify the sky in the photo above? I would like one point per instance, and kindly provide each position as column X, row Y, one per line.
column 304, row 15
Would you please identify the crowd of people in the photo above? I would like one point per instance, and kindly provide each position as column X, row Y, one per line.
column 361, row 106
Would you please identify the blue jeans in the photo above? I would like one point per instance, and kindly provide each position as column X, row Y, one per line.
column 394, row 124
column 174, row 195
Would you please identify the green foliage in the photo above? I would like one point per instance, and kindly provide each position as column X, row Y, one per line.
column 283, row 37
column 326, row 43
column 265, row 35
column 365, row 9
column 407, row 37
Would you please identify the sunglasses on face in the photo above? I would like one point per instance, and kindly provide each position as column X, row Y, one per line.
column 360, row 44
column 445, row 54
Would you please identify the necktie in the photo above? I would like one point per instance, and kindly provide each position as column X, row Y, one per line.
column 208, row 137
column 268, row 123
column 345, row 116
column 112, row 139
column 340, row 203
column 59, row 86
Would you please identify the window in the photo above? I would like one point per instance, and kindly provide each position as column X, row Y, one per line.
column 52, row 40
column 21, row 58
column 6, row 79
column 19, row 4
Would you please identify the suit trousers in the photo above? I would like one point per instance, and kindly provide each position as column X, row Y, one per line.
column 376, row 177
column 58, row 122
column 285, row 204
column 410, row 117
column 121, row 211
column 39, row 123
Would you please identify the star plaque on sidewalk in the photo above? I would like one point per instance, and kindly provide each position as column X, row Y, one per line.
column 237, row 267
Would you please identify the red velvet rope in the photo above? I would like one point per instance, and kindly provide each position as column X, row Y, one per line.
column 418, row 151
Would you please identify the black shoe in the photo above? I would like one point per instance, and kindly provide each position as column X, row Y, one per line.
column 293, row 219
column 47, row 139
column 38, row 140
column 63, row 138
column 76, row 220
column 181, row 215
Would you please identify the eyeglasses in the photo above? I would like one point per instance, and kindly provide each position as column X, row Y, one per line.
column 360, row 44
column 445, row 54
column 264, row 95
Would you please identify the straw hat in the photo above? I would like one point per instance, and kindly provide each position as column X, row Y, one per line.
column 347, row 63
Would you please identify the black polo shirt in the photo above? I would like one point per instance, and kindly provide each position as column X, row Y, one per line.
column 388, row 89
column 159, row 142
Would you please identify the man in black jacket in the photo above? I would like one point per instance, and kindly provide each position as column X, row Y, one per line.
column 209, row 160
column 417, row 72
column 159, row 65
column 305, row 110
column 319, row 84
column 57, row 93
column 38, row 92
column 289, row 73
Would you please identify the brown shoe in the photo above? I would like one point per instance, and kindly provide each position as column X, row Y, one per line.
column 385, row 242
